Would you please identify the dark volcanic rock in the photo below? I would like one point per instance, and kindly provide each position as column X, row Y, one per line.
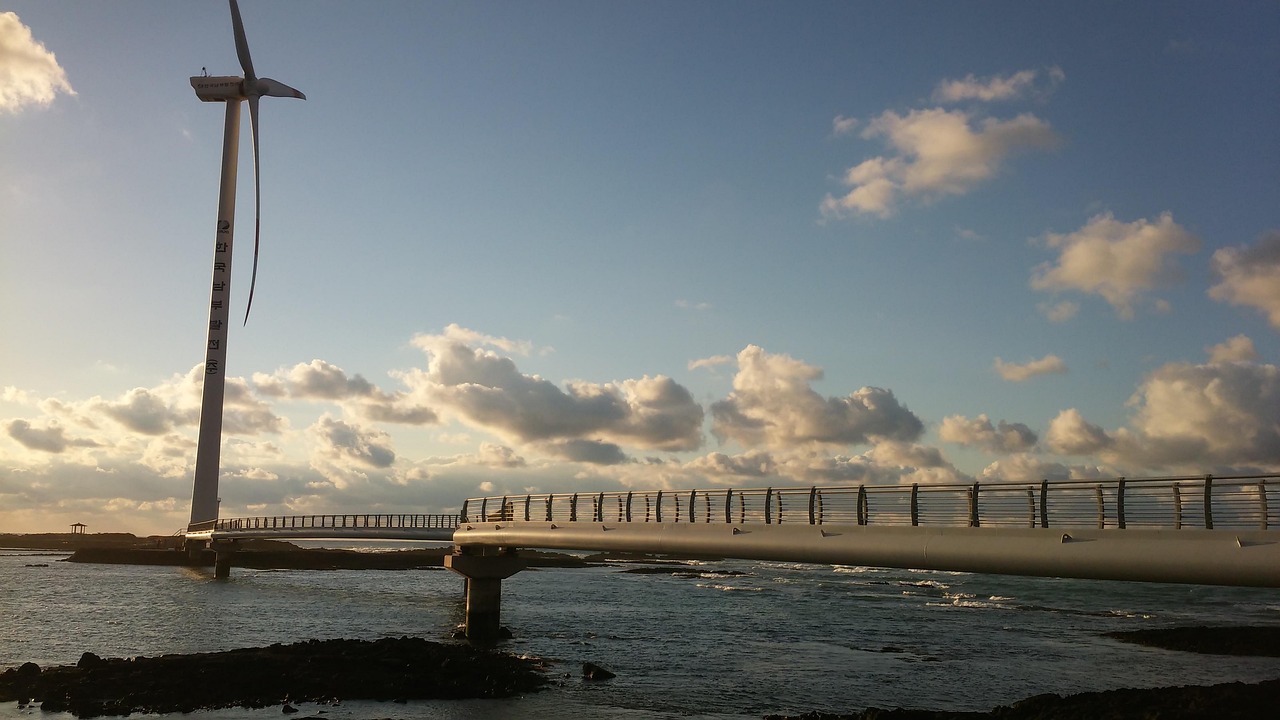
column 1258, row 641
column 592, row 671
column 409, row 668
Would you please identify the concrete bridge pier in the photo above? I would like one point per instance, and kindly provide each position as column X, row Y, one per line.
column 484, row 571
column 223, row 553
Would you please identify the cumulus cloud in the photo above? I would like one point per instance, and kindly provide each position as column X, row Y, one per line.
column 1070, row 434
column 1116, row 260
column 29, row 73
column 50, row 439
column 319, row 380
column 343, row 444
column 1237, row 349
column 1227, row 414
column 979, row 432
column 1250, row 276
column 751, row 464
column 935, row 152
column 1026, row 468
column 487, row 390
column 1015, row 372
column 772, row 404
column 998, row 87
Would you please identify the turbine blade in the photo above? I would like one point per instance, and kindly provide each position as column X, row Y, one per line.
column 242, row 45
column 257, row 202
column 275, row 88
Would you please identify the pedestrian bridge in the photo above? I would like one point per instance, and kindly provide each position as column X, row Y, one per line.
column 1221, row 530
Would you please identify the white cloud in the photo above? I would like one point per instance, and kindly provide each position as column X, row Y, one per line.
column 1237, row 349
column 1070, row 434
column 1026, row 468
column 1015, row 372
column 936, row 152
column 1250, row 276
column 1060, row 311
column 487, row 390
column 319, row 380
column 711, row 362
column 980, row 432
column 994, row 88
column 50, row 439
column 772, row 404
column 842, row 125
column 345, row 453
column 1227, row 414
column 29, row 73
column 1116, row 260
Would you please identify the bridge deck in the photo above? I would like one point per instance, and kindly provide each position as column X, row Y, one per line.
column 1200, row 529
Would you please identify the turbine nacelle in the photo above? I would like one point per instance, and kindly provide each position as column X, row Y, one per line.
column 218, row 88
column 233, row 88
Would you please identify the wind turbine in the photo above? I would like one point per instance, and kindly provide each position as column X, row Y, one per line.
column 230, row 90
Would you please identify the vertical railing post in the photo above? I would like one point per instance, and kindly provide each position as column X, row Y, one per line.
column 819, row 508
column 1177, row 506
column 646, row 507
column 974, row 521
column 573, row 508
column 768, row 506
column 1208, row 502
column 915, row 504
column 550, row 499
column 1102, row 510
column 629, row 506
column 813, row 503
column 728, row 507
column 506, row 514
column 1262, row 503
column 693, row 506
column 484, row 510
column 1120, row 503
column 742, row 508
column 862, row 505
column 600, row 508
column 706, row 501
column 528, row 500
column 657, row 512
column 1044, row 503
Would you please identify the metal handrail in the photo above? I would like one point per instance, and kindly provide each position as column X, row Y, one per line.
column 362, row 521
column 1184, row 502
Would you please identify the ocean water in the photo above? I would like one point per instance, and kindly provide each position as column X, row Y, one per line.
column 778, row 638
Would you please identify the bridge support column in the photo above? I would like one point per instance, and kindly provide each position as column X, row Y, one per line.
column 224, row 552
column 484, row 574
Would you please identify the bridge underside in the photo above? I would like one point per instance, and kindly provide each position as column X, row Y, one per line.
column 326, row 533
column 1210, row 557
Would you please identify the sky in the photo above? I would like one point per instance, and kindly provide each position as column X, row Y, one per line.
column 568, row 246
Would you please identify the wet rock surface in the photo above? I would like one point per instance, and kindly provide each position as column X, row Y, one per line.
column 312, row 671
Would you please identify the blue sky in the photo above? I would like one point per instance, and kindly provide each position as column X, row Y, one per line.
column 568, row 245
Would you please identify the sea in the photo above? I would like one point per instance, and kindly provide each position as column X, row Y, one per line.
column 728, row 639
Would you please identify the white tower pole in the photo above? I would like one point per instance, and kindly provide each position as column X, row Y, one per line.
column 204, row 495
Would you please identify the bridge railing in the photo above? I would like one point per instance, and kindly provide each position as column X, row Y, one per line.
column 331, row 522
column 1204, row 501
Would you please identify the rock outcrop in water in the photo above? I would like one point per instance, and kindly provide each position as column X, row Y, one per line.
column 312, row 671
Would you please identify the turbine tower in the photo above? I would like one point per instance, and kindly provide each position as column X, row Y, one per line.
column 230, row 90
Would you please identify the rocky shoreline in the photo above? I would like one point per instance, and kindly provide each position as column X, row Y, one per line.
column 391, row 669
